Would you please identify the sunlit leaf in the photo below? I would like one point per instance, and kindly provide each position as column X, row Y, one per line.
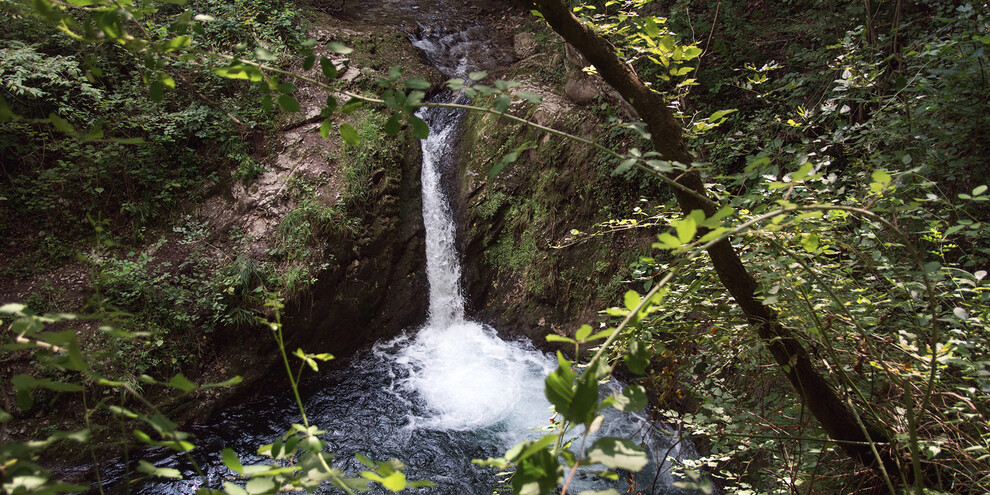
column 617, row 453
column 633, row 398
column 149, row 468
column 182, row 383
column 231, row 460
column 339, row 48
column 350, row 135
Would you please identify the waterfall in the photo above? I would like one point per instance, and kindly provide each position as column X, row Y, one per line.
column 466, row 375
column 435, row 397
column 443, row 267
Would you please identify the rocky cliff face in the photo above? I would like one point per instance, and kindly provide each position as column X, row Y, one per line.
column 524, row 266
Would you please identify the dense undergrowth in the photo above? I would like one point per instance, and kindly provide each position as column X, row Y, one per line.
column 879, row 114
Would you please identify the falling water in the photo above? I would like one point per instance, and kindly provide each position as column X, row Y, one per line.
column 435, row 398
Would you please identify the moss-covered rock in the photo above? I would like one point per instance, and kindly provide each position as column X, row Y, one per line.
column 516, row 271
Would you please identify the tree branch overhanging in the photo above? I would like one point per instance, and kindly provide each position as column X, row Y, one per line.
column 836, row 416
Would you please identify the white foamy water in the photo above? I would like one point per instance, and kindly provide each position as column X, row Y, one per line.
column 472, row 380
column 468, row 377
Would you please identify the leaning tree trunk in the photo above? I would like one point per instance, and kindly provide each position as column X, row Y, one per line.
column 821, row 399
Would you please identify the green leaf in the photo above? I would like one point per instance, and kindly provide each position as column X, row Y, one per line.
column 162, row 424
column 286, row 88
column 393, row 124
column 530, row 97
column 13, row 308
column 721, row 114
column 396, row 481
column 260, row 485
column 394, row 73
column 528, row 448
column 340, row 48
column 123, row 412
column 810, row 242
column 509, row 157
column 651, row 28
column 265, row 54
column 60, row 386
column 583, row 332
column 633, row 398
column 617, row 453
column 25, row 399
column 329, row 70
column 6, row 114
column 420, row 129
column 552, row 337
column 288, row 103
column 686, row 229
column 309, row 62
column 226, row 383
column 24, row 382
column 62, row 125
column 631, row 300
column 624, row 166
column 176, row 43
column 325, row 128
column 5, row 416
column 232, row 489
column 155, row 91
column 538, row 474
column 692, row 52
column 231, row 460
column 43, row 8
column 576, row 402
column 182, row 383
column 350, row 135
column 95, row 133
column 502, row 103
column 149, row 468
column 239, row 71
column 638, row 357
column 477, row 76
column 418, row 83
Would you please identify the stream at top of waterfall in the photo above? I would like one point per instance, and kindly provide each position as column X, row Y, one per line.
column 434, row 398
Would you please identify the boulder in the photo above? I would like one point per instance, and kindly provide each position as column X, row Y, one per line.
column 524, row 45
column 581, row 88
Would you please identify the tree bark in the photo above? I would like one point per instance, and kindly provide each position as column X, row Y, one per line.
column 820, row 397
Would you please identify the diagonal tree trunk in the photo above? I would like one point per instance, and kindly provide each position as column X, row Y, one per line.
column 821, row 399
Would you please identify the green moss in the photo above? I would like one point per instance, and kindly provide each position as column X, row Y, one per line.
column 492, row 203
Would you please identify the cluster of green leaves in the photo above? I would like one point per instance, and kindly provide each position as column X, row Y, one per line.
column 864, row 239
column 132, row 161
column 644, row 41
column 63, row 366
